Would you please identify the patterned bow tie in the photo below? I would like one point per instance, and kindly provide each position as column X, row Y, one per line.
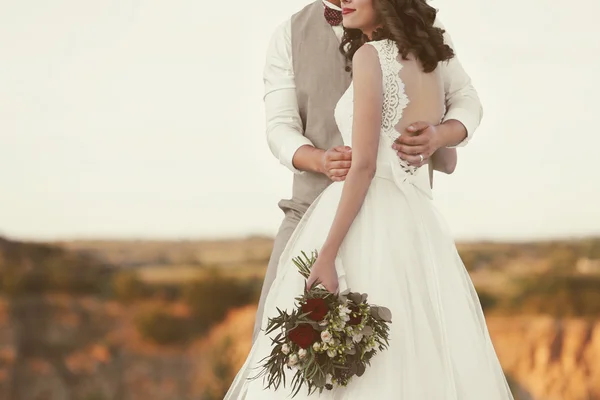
column 333, row 17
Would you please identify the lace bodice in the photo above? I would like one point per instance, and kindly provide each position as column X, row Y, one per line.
column 428, row 104
column 395, row 102
column 394, row 97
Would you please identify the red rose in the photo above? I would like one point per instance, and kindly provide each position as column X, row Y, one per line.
column 317, row 309
column 304, row 335
column 355, row 317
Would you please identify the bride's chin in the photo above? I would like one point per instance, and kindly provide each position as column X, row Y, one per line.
column 350, row 25
column 347, row 23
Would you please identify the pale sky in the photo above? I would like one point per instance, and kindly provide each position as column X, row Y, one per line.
column 144, row 119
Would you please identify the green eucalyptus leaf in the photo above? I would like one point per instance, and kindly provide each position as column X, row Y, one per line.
column 367, row 331
column 360, row 369
column 356, row 298
column 319, row 380
column 384, row 314
column 374, row 311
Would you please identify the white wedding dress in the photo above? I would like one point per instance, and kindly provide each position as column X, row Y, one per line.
column 400, row 252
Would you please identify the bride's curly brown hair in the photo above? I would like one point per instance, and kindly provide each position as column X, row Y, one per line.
column 409, row 23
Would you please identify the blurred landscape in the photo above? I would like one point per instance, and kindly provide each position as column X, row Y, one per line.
column 138, row 320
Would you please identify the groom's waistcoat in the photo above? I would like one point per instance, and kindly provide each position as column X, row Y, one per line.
column 321, row 79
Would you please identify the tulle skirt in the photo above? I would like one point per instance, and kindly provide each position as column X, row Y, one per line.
column 400, row 252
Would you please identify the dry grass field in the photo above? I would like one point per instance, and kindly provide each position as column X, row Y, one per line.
column 116, row 320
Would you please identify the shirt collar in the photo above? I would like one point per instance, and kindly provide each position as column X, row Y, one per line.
column 332, row 6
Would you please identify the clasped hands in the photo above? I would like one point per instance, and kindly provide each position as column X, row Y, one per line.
column 415, row 147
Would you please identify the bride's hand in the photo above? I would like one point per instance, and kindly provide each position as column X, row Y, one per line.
column 323, row 272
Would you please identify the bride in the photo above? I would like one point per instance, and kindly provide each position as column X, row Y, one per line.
column 379, row 232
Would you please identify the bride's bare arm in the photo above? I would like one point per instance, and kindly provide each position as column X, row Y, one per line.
column 368, row 98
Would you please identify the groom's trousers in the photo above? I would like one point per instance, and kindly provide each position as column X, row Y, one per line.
column 291, row 220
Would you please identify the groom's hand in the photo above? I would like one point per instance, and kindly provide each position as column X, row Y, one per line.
column 421, row 138
column 336, row 163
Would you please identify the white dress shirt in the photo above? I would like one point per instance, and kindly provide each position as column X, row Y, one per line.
column 284, row 127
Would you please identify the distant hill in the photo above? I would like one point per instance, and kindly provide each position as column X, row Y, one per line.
column 136, row 253
column 258, row 249
column 40, row 267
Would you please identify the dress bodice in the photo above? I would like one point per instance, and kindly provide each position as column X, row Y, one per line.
column 395, row 108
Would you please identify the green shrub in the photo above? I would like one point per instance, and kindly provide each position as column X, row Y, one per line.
column 94, row 396
column 33, row 269
column 221, row 371
column 474, row 259
column 563, row 258
column 159, row 326
column 559, row 296
column 17, row 281
column 128, row 287
column 211, row 298
column 591, row 248
column 74, row 276
column 518, row 391
column 164, row 291
column 488, row 301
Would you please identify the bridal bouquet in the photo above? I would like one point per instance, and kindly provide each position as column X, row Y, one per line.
column 327, row 339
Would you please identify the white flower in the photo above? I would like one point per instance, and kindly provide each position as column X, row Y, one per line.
column 339, row 326
column 331, row 353
column 357, row 337
column 326, row 336
column 317, row 346
column 323, row 323
column 285, row 349
column 344, row 310
column 302, row 354
column 293, row 360
column 328, row 379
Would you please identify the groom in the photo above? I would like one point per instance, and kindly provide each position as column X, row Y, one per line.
column 304, row 78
